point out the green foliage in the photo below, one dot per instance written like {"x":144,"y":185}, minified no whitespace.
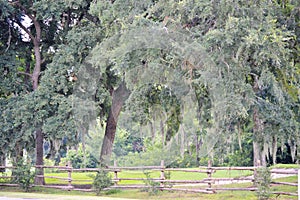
{"x":152,"y":187}
{"x":79,"y":159}
{"x":112,"y":191}
{"x":240,"y":158}
{"x":101,"y":180}
{"x":126,"y":143}
{"x":263,"y":181}
{"x":187,"y":160}
{"x":152,"y":155}
{"x":48,"y":162}
{"x":23,"y":175}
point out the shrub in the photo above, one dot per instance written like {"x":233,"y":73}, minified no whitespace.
{"x":101,"y":180}
{"x":263,"y":181}
{"x":24,"y":177}
{"x":112,"y":191}
{"x":152,"y":187}
{"x":79,"y":159}
{"x":48,"y":162}
{"x":239,"y":158}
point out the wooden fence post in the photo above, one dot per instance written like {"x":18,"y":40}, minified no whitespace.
{"x":69,"y":175}
{"x":209,"y":172}
{"x":298,"y":183}
{"x":162,"y":173}
{"x":116,"y":173}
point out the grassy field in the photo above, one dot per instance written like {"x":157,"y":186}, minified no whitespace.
{"x":47,"y":193}
{"x":284,"y":166}
{"x":80,"y":177}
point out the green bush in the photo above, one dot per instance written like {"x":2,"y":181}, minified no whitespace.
{"x":239,"y":158}
{"x":152,"y":187}
{"x":112,"y":191}
{"x":263,"y":181}
{"x":48,"y":162}
{"x":79,"y":159}
{"x":101,"y":180}
{"x":24,"y":177}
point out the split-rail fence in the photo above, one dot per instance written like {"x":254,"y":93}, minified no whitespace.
{"x":207,"y":185}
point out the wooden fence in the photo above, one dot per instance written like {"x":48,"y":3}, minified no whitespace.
{"x":207,"y":185}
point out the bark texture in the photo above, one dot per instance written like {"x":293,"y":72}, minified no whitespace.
{"x":39,"y":157}
{"x":259,"y":157}
{"x":119,"y":96}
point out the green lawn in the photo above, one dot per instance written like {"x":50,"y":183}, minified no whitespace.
{"x":285,"y":166}
{"x":81,"y":178}
{"x":85,"y":177}
{"x":50,"y":194}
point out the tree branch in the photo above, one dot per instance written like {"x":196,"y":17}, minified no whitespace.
{"x":36,"y":23}
{"x":24,"y":29}
{"x":38,"y":31}
{"x":25,"y":73}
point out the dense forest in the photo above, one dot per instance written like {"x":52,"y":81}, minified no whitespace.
{"x":183,"y":81}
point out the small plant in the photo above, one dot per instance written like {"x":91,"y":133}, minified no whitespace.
{"x":152,"y":187}
{"x":48,"y":162}
{"x":263,"y":181}
{"x":112,"y":191}
{"x":101,"y":180}
{"x":24,"y":177}
{"x":168,"y":177}
{"x":3,"y":180}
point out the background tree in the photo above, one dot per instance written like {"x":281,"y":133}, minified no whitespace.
{"x":40,"y":26}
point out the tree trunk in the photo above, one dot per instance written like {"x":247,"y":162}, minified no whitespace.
{"x":274,"y":150}
{"x":197,"y":149}
{"x":119,"y":96}
{"x":258,"y":155}
{"x":35,"y":37}
{"x":239,"y":136}
{"x":83,"y":133}
{"x":39,"y":147}
{"x":2,"y":161}
{"x":298,"y":151}
{"x":39,"y":139}
{"x":182,"y":141}
{"x":162,"y":131}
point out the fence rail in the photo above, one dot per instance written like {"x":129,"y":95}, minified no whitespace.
{"x":205,"y":185}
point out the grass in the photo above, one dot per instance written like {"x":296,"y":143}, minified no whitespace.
{"x":285,"y":166}
{"x":47,"y":193}
{"x":291,"y":179}
{"x":78,"y":178}
{"x":81,"y":177}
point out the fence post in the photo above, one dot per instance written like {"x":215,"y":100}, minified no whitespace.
{"x":209,"y":172}
{"x":69,"y":175}
{"x":116,"y":173}
{"x":162,"y":173}
{"x":298,"y":183}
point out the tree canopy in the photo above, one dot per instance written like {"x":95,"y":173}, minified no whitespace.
{"x":180,"y":77}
